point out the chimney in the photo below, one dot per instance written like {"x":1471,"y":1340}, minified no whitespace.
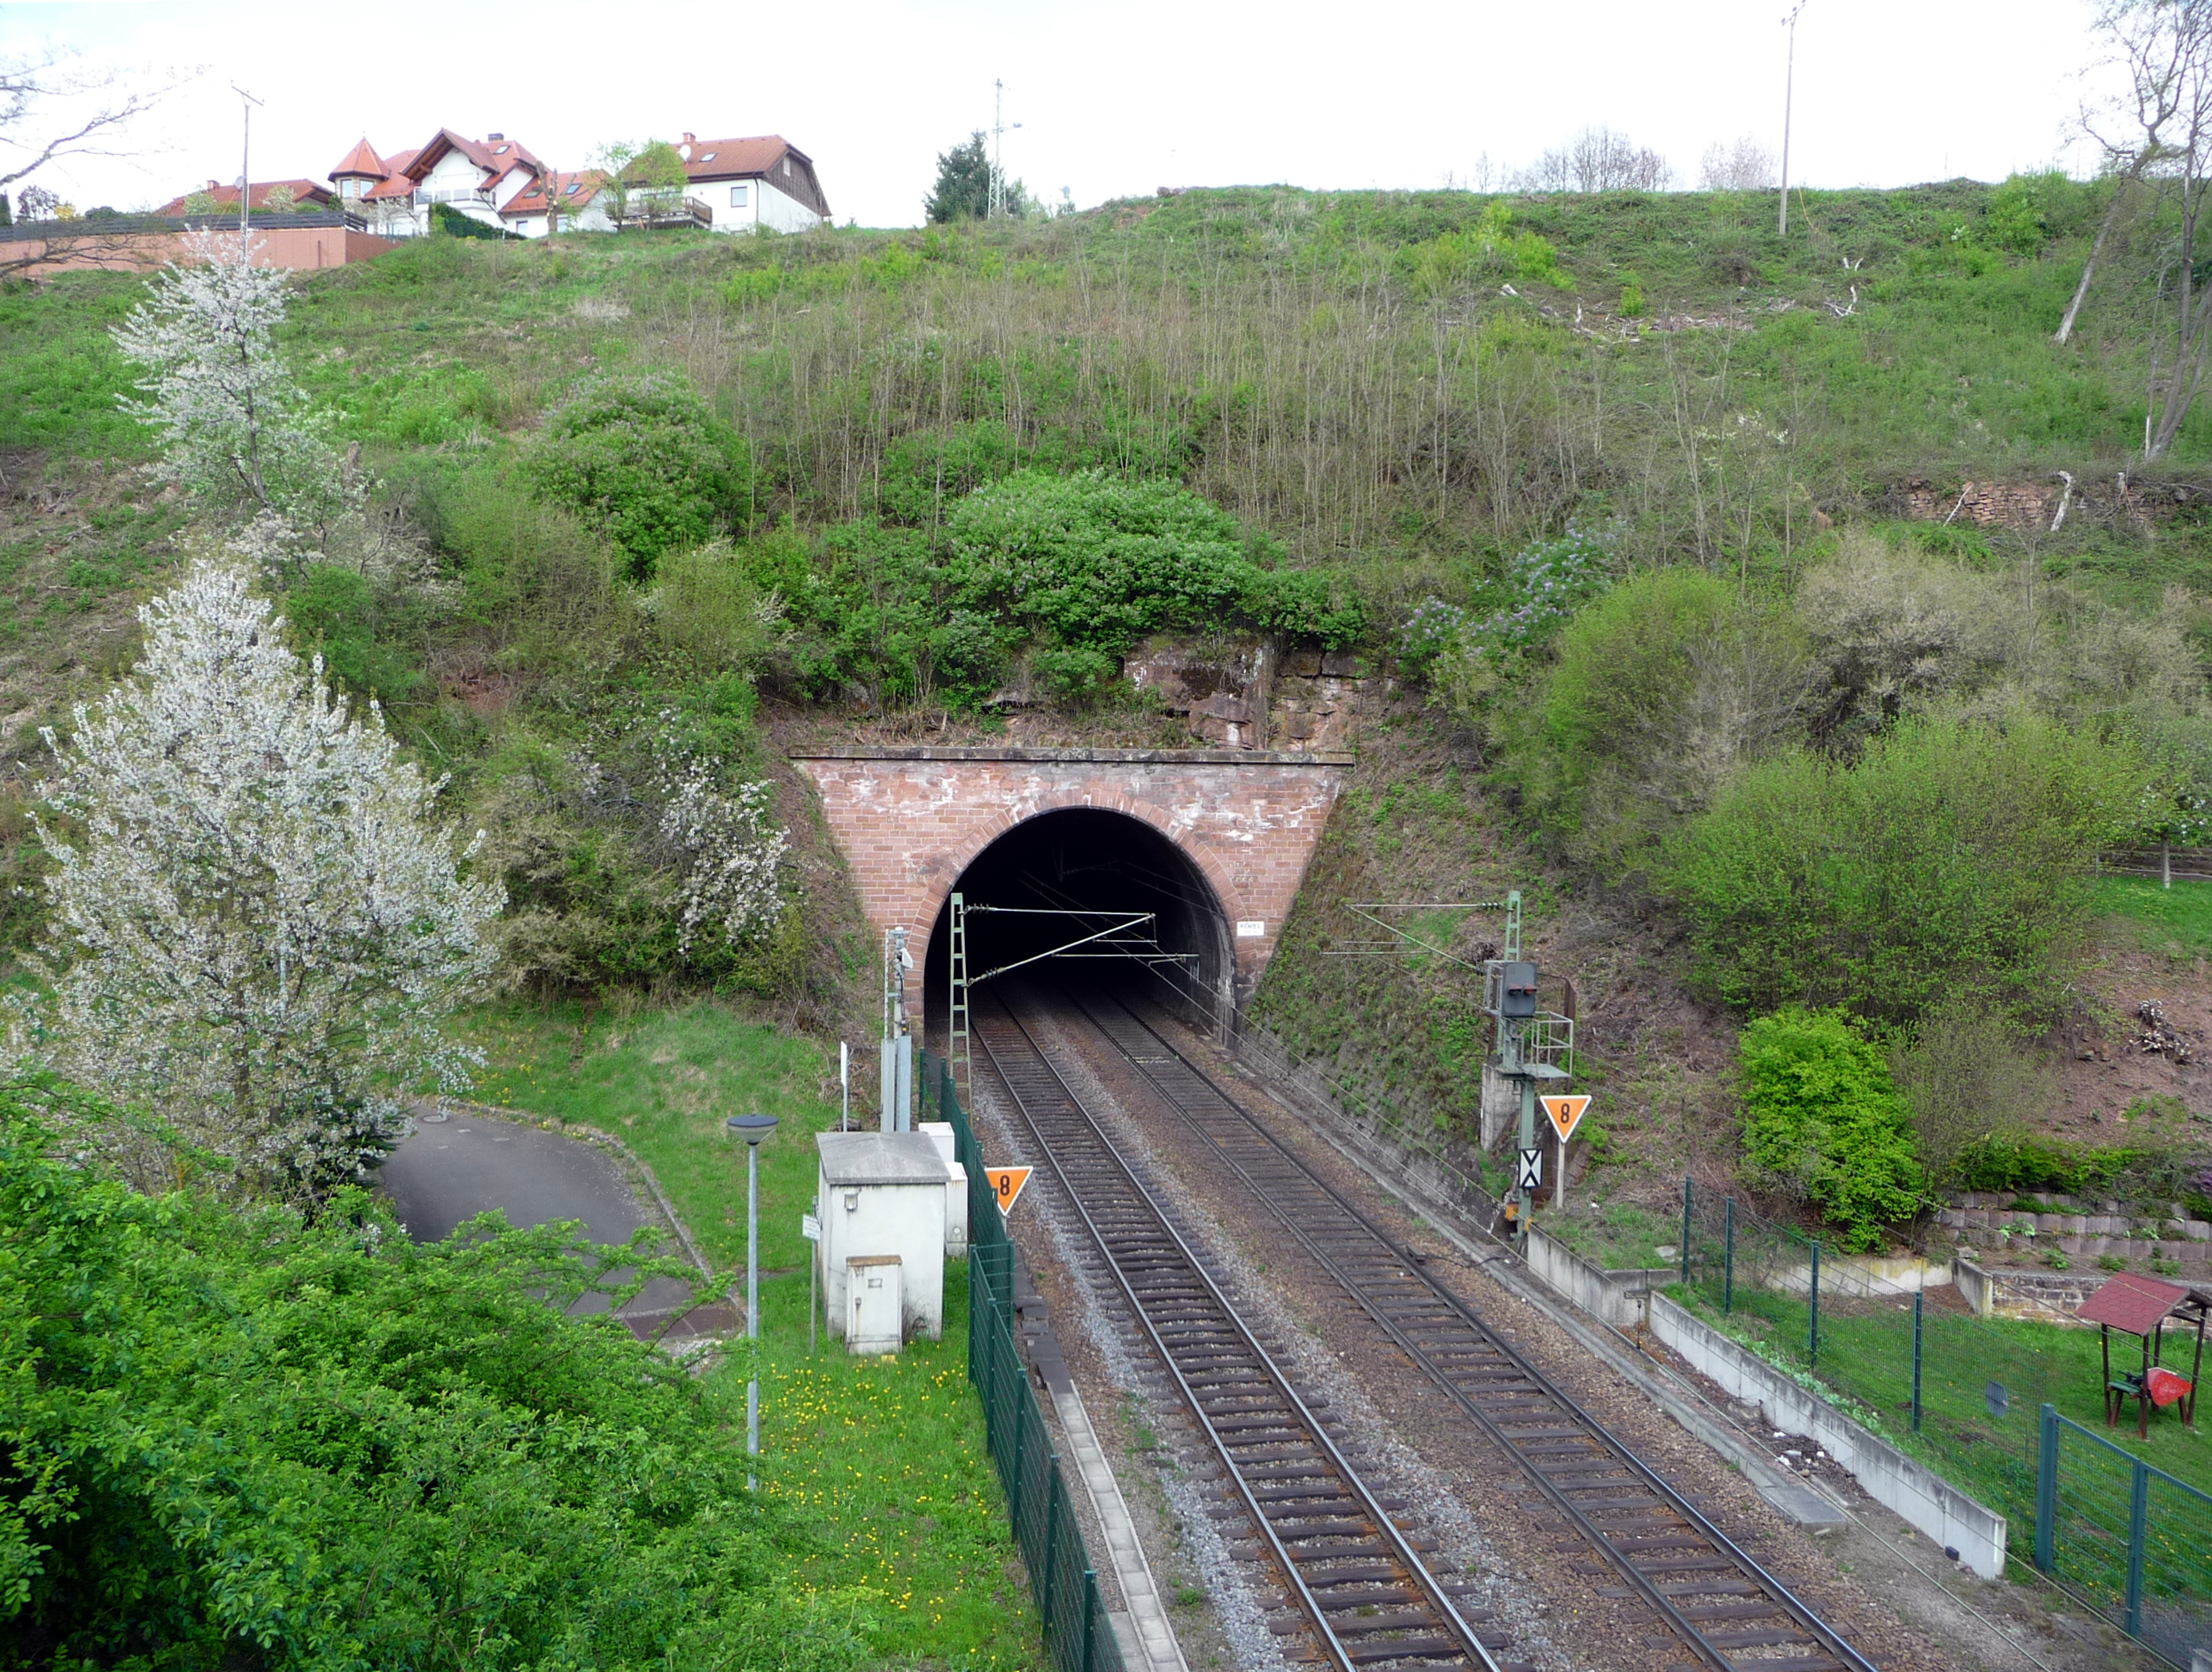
{"x":212,"y":186}
{"x":687,"y":138}
{"x":495,"y":135}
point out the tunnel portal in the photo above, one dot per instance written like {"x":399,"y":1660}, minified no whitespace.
{"x":1062,"y":876}
{"x":1215,"y":841}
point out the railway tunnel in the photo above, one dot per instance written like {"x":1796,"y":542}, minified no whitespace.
{"x":1095,"y":894}
{"x":1209,"y":844}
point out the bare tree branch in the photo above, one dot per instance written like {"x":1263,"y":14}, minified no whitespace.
{"x":31,"y":84}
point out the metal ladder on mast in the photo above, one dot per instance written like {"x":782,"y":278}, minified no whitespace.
{"x":956,"y":1053}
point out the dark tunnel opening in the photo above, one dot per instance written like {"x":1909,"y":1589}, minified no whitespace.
{"x":1086,"y":860}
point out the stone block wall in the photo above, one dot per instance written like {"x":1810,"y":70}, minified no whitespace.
{"x":1242,"y":694}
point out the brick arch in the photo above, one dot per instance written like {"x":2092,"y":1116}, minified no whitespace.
{"x":909,"y":821}
{"x":1225,"y":898}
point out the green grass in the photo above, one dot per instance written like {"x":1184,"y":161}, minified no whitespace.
{"x":886,"y":1456}
{"x":1616,"y":1236}
{"x":664,"y":1081}
{"x":2176,"y":921}
{"x":1866,"y":1355}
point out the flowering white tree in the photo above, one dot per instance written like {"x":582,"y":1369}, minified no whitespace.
{"x":257,"y":922}
{"x":235,"y":428}
{"x":734,"y":854}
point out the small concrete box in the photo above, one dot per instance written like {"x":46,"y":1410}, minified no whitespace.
{"x":882,"y":1194}
{"x":955,"y":1189}
{"x":878,"y":1324}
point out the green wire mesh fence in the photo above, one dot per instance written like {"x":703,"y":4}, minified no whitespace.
{"x":1078,"y":1631}
{"x":2129,"y":1540}
{"x":1891,"y":1342}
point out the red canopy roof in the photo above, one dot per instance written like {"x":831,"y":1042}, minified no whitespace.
{"x":2133,"y":1304}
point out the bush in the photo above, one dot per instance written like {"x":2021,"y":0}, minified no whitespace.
{"x":237,"y":1437}
{"x":533,"y":576}
{"x":1096,"y":561}
{"x":1948,"y":864}
{"x":706,"y":606}
{"x":1665,"y":688}
{"x":649,"y":462}
{"x":1968,"y":1076}
{"x":336,"y":614}
{"x":1822,"y":1120}
{"x":1893,"y":631}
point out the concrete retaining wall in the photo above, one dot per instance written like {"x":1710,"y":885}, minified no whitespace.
{"x":1923,"y":1498}
{"x":2046,"y":1297}
{"x":1617,"y":1297}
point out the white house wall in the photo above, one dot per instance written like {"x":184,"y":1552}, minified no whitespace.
{"x":765,"y":207}
{"x":781,"y":213}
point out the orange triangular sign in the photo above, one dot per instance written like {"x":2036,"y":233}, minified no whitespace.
{"x":1565,"y":1114}
{"x":1007,"y":1182}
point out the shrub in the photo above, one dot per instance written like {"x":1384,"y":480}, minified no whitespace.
{"x":243,"y":1436}
{"x":1665,"y":688}
{"x":1966,"y":1076}
{"x":1095,"y":561}
{"x":1893,"y":631}
{"x":706,"y":605}
{"x":336,"y":614}
{"x":1822,"y":1120}
{"x":1947,"y":864}
{"x":646,"y":460}
{"x":535,"y":578}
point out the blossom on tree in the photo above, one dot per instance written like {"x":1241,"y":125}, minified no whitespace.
{"x":258,"y":923}
{"x":234,"y":427}
{"x":733,"y":852}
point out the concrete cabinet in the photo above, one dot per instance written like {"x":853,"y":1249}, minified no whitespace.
{"x":881,"y":1196}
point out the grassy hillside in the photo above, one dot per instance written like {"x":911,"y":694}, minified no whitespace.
{"x":1394,"y":392}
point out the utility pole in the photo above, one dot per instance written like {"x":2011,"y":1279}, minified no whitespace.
{"x":246,"y":161}
{"x":998,"y":126}
{"x":1789,"y":89}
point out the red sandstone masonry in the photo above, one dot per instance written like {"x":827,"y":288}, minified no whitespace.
{"x":911,"y":819}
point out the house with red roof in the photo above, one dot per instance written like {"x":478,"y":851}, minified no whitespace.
{"x":398,"y":194}
{"x":579,"y":199}
{"x":751,"y":183}
{"x":731,"y":185}
{"x":306,"y":194}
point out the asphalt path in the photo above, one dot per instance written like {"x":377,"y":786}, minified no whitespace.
{"x":450,"y":1171}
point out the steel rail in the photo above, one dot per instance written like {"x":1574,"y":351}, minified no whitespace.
{"x":1819,"y":1632}
{"x":1398,"y":1550}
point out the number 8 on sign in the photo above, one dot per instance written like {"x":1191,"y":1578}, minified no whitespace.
{"x":1006,"y":1184}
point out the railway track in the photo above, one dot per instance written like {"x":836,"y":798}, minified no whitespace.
{"x":1367,"y":1598}
{"x":1728,"y":1610}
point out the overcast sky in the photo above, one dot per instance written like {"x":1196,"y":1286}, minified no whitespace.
{"x":1112,"y":99}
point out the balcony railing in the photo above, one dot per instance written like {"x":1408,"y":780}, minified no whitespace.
{"x":451,"y":194}
{"x":656,"y":210}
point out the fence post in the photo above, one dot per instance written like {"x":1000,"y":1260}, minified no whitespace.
{"x":1812,"y":1343}
{"x":1013,"y":1486}
{"x":2048,"y":1490}
{"x":1728,"y":1263}
{"x":1090,"y":1614}
{"x":1918,"y":1296}
{"x":1686,"y":1188}
{"x":1052,"y":1541}
{"x":2138,"y":1507}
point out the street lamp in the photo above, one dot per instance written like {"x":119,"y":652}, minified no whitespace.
{"x":752,"y":1129}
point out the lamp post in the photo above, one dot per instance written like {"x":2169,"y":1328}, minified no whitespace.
{"x":752,"y":1129}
